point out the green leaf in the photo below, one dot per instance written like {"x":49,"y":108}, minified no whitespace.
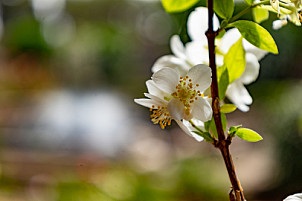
{"x":234,"y":60}
{"x":213,"y":126}
{"x":256,"y":35}
{"x":249,"y":2}
{"x":260,"y":14}
{"x":227,"y":108}
{"x":221,"y":32}
{"x":248,"y":135}
{"x":206,"y":135}
{"x":207,"y":125}
{"x":175,"y":6}
{"x":233,"y":130}
{"x":224,"y":8}
{"x":223,"y":81}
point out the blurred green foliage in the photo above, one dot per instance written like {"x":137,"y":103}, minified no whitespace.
{"x":188,"y":179}
{"x":23,"y":34}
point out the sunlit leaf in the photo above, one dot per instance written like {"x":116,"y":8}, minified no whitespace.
{"x":256,"y":35}
{"x":224,"y":8}
{"x":234,"y":60}
{"x":174,"y":6}
{"x":248,"y":135}
{"x":249,"y":2}
{"x":260,"y":14}
{"x":227,"y":108}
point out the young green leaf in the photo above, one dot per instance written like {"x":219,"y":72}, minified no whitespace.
{"x":256,"y":35}
{"x":223,"y":81}
{"x":234,"y":60}
{"x":260,"y":14}
{"x":221,"y":32}
{"x":227,"y":108}
{"x":233,"y":130}
{"x":248,"y":135}
{"x":224,"y":8}
{"x":175,"y":6}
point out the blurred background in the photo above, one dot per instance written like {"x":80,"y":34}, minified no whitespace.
{"x":70,"y":131}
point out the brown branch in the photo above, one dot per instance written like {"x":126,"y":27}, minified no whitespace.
{"x":214,"y":86}
{"x":222,"y":143}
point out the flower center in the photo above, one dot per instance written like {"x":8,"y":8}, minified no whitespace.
{"x":161,"y":116}
{"x":186,"y":93}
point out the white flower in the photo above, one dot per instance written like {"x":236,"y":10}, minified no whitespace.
{"x":289,"y":11}
{"x":295,"y":197}
{"x":172,"y":96}
{"x":196,"y":52}
{"x":275,"y":5}
{"x":236,"y":92}
{"x":178,"y":61}
{"x":294,"y":17}
{"x":278,"y":24}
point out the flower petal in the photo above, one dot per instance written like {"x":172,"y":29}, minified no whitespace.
{"x":251,"y":71}
{"x":148,"y":102}
{"x":229,"y":39}
{"x":294,"y":18}
{"x":198,"y":24}
{"x":232,"y":36}
{"x":202,"y":110}
{"x":197,"y":123}
{"x":184,"y":126}
{"x":176,"y":109}
{"x":295,"y":197}
{"x":201,"y":74}
{"x":180,"y":65}
{"x":177,"y":47}
{"x":159,"y":101}
{"x":275,"y":5}
{"x":238,"y":95}
{"x":154,"y":90}
{"x":278,"y":24}
{"x":254,"y":50}
{"x":219,"y":60}
{"x":197,"y":52}
{"x":166,"y":79}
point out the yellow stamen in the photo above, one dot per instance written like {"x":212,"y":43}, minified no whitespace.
{"x":160,"y":116}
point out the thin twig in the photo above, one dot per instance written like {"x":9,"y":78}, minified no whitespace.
{"x":222,"y":143}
